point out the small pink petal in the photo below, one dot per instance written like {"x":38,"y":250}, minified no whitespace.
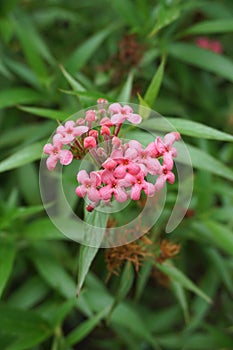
{"x":65,"y":157}
{"x":81,"y":191}
{"x":93,"y":195}
{"x":120,"y":172}
{"x":48,"y":148}
{"x":134,"y":118}
{"x":95,"y":178}
{"x":135,"y":192}
{"x":106,"y":192}
{"x":149,"y":189}
{"x":51,"y":162}
{"x":115,"y":108}
{"x":83,"y":177}
{"x":170,"y":177}
{"x":118,"y":119}
{"x":160,"y":182}
{"x":168,"y":161}
{"x":79,"y":130}
{"x":120,"y":195}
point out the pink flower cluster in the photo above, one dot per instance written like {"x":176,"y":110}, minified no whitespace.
{"x":212,"y":45}
{"x":123,"y":168}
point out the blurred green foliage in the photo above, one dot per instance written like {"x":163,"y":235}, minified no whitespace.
{"x":57,"y":57}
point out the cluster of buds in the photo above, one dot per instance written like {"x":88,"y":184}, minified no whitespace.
{"x":212,"y":45}
{"x":122,"y":167}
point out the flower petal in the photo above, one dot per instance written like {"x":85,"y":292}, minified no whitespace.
{"x":120,"y":194}
{"x":83,"y":177}
{"x":65,"y":157}
{"x":51,"y":162}
{"x":134,"y":118}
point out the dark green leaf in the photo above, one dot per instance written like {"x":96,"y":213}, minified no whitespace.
{"x":7,"y":256}
{"x":203,"y":59}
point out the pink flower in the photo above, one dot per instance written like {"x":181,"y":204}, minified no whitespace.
{"x":120,"y":114}
{"x":89,"y":185}
{"x":165,"y":149}
{"x":70,"y":131}
{"x":89,"y":142}
{"x":144,"y":157}
{"x":165,"y":175}
{"x":138,"y":184}
{"x":106,"y":122}
{"x":207,"y":44}
{"x":91,"y":116}
{"x":114,"y":187}
{"x":57,"y":154}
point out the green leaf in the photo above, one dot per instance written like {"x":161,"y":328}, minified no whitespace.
{"x":45,"y":113}
{"x":7,"y":256}
{"x":165,"y":16}
{"x":182,"y":299}
{"x":26,"y":327}
{"x":26,"y":155}
{"x":126,"y":12}
{"x":125,"y":93}
{"x":210,"y":27}
{"x":24,"y":32}
{"x":186,"y":127}
{"x":85,"y":328}
{"x":88,"y":253}
{"x":203,"y":59}
{"x":30,"y":293}
{"x":144,"y":277}
{"x":17,"y":95}
{"x":204,"y":161}
{"x":178,"y":276}
{"x":76,"y":86}
{"x":42,"y":229}
{"x":84,"y":52}
{"x":153,"y":89}
{"x":54,"y":273}
{"x":221,"y":235}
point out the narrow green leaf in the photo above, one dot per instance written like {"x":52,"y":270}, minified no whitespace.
{"x":186,"y":127}
{"x":165,"y":16}
{"x":204,"y":161}
{"x":31,"y":52}
{"x":45,"y":113}
{"x":24,"y":156}
{"x":210,"y":27}
{"x":126,"y":12}
{"x":178,"y":276}
{"x":7,"y":256}
{"x":153,"y":89}
{"x":85,"y":328}
{"x":221,"y":235}
{"x":17,"y":95}
{"x":145,"y":271}
{"x":83,"y":53}
{"x":30,"y":331}
{"x":203,"y":59}
{"x":88,"y":253}
{"x":30,"y":293}
{"x":54,"y":273}
{"x":125,"y":93}
{"x":182,"y":299}
{"x":76,"y":86}
{"x":42,"y":229}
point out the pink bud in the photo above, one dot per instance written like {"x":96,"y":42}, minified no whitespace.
{"x":80,"y":121}
{"x":105,"y":130}
{"x":94,"y":134}
{"x":89,"y":142}
{"x":91,"y":116}
{"x":106,"y":121}
{"x":101,"y":101}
